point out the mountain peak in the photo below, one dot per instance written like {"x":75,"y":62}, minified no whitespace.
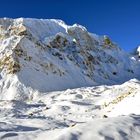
{"x":48,"y":55}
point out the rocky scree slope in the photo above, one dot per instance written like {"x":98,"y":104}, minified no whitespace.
{"x":39,"y":56}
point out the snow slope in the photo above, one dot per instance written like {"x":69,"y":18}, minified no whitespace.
{"x":62,"y":82}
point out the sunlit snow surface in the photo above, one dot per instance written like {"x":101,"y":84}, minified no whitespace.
{"x":76,"y":114}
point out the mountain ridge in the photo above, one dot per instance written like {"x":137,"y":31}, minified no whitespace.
{"x":48,"y":55}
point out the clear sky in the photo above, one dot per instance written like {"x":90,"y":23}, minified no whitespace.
{"x":120,"y":19}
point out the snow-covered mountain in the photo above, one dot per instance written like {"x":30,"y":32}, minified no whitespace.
{"x":61,"y":82}
{"x":48,"y":55}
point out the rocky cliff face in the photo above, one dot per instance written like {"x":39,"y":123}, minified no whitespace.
{"x":48,"y":55}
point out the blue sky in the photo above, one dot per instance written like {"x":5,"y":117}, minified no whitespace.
{"x":120,"y":19}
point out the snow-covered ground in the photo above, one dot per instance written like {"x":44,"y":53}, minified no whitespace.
{"x":60,"y":82}
{"x":100,"y":112}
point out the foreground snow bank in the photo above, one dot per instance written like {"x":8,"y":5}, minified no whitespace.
{"x":99,"y":112}
{"x":119,"y":128}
